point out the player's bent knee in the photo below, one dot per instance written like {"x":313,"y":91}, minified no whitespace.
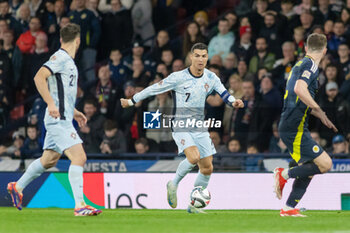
{"x":207,"y":170}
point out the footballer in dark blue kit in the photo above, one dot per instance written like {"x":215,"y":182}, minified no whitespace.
{"x":299,"y":103}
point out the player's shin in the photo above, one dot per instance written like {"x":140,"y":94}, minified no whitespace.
{"x":202,"y":180}
{"x":299,"y":188}
{"x":184,"y":167}
{"x":75,"y":176}
{"x":304,"y":171}
{"x":34,"y":170}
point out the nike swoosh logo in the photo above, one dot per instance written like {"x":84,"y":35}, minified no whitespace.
{"x":186,"y":88}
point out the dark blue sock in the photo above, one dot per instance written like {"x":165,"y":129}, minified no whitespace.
{"x":299,"y":188}
{"x":304,"y":171}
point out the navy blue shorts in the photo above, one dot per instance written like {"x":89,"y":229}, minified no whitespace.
{"x":300,"y":144}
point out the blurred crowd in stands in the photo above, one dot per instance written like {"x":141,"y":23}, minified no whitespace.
{"x":127,"y":45}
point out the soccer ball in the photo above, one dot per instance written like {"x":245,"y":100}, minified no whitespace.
{"x":200,"y":197}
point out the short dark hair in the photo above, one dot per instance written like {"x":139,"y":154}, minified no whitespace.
{"x":91,"y":101}
{"x":316,"y":42}
{"x":32,"y":126}
{"x":69,"y":32}
{"x":142,"y":141}
{"x":110,"y":125}
{"x":200,"y":46}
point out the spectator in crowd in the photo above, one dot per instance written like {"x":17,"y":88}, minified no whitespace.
{"x":141,"y":14}
{"x":256,"y":17}
{"x":119,"y":71}
{"x":113,"y":139}
{"x":241,"y":118}
{"x":53,"y":23}
{"x":37,"y":7}
{"x":243,"y":48}
{"x":92,"y":132}
{"x":235,"y":89}
{"x":253,"y":163}
{"x":24,"y":17}
{"x":242,"y":70}
{"x":167,"y":58}
{"x":287,"y":10}
{"x":161,"y":43}
{"x":232,"y":162}
{"x":229,"y":67}
{"x":305,"y":5}
{"x":338,"y":111}
{"x":26,"y":41}
{"x":32,"y":62}
{"x":178,"y":65}
{"x":192,"y":35}
{"x":54,"y":39}
{"x":264,"y":114}
{"x":276,"y":144}
{"x":262,"y":58}
{"x":90,"y":34}
{"x":6,"y":15}
{"x":337,"y":38}
{"x":32,"y":145}
{"x":14,"y":150}
{"x":284,"y":65}
{"x":92,"y":5}
{"x":117,"y":29}
{"x":339,"y":145}
{"x":344,"y":59}
{"x":324,"y":13}
{"x":141,"y":146}
{"x":328,"y":29}
{"x":14,"y":6}
{"x":345,"y":18}
{"x":201,"y":17}
{"x":307,"y":21}
{"x":139,"y":76}
{"x":216,"y":60}
{"x":332,"y":75}
{"x":161,"y":68}
{"x":222,"y":42}
{"x":299,"y":34}
{"x":105,"y":91}
{"x":216,"y":139}
{"x":233,"y":24}
{"x":138,"y":53}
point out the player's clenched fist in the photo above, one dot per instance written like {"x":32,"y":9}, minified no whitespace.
{"x":126,"y":103}
{"x":238,"y":104}
{"x":53,"y":111}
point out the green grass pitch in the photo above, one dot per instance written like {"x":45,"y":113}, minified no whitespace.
{"x":122,"y":220}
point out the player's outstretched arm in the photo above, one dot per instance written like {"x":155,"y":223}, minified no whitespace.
{"x":40,"y":80}
{"x":162,"y":86}
{"x":304,"y":95}
{"x":225,"y":95}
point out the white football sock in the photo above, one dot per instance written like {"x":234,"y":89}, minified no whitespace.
{"x":34,"y":170}
{"x":75,"y":176}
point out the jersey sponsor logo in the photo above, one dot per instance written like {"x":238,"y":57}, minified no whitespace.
{"x":306,"y":74}
{"x":151,"y":120}
{"x":316,"y":149}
